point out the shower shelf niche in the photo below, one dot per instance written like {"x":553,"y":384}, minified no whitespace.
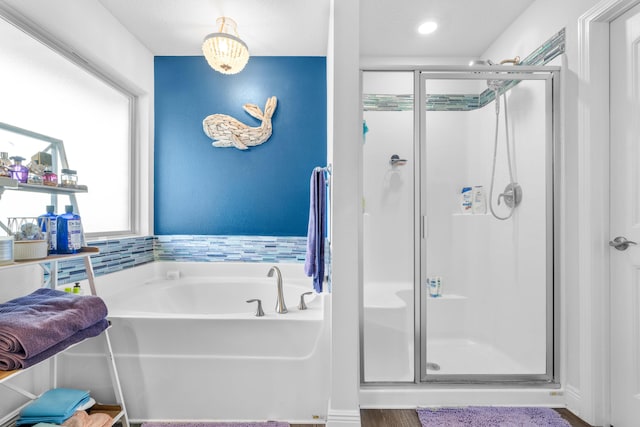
{"x":447,"y":297}
{"x":470,"y":214}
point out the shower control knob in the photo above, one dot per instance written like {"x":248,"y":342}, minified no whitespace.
{"x":621,"y":243}
{"x":397,"y":161}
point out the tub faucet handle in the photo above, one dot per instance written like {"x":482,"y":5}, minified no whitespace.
{"x":259,"y":312}
{"x":302,"y":305}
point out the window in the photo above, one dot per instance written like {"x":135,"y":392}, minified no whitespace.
{"x":43,"y":91}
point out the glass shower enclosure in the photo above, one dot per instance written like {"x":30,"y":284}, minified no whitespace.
{"x":458,"y":225}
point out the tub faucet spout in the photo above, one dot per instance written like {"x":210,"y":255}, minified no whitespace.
{"x":280,"y":305}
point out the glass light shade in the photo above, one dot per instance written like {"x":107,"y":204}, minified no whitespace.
{"x":225,"y":52}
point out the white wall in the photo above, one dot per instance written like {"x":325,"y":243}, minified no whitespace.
{"x":345,"y":132}
{"x":90,"y":32}
{"x":87,"y":29}
{"x":539,"y":22}
{"x":94,"y":34}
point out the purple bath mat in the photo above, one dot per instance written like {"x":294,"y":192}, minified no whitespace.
{"x":233,"y":424}
{"x":490,"y":416}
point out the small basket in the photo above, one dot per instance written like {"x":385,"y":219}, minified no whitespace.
{"x":29,"y":249}
{"x":31,"y":239}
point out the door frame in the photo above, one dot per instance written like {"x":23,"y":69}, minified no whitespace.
{"x":592,"y":401}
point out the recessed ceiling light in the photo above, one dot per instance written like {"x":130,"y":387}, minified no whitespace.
{"x":428,"y":27}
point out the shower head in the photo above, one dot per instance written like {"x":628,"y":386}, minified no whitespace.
{"x":495,"y":84}
{"x":480,"y":61}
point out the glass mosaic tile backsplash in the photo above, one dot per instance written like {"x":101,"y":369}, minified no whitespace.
{"x":120,"y":254}
{"x":230,"y":248}
{"x":545,"y":53}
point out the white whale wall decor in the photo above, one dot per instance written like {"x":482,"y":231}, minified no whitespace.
{"x":227,"y":131}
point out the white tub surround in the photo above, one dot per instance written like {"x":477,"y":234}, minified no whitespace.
{"x":189,"y":347}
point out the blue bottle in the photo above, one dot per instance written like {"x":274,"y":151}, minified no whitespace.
{"x":49,"y":223}
{"x":69,"y":232}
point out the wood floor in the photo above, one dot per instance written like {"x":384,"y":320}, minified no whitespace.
{"x":409,"y":418}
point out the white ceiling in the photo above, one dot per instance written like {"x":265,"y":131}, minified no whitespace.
{"x":269,"y":27}
{"x":466,"y":28}
{"x":300,"y":27}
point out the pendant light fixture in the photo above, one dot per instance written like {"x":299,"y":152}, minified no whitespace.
{"x":224,"y":50}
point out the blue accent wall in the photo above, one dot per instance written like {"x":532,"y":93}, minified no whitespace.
{"x":263,"y":191}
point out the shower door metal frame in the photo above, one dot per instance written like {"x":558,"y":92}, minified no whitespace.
{"x":552,"y":377}
{"x":551,"y":76}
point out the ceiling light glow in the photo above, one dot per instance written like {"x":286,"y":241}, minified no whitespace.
{"x":428,"y":27}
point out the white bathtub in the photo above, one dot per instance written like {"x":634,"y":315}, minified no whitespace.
{"x":188,"y":346}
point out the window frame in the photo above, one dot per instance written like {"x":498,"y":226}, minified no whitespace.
{"x":48,"y":40}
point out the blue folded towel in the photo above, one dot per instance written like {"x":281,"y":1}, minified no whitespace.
{"x":53,"y":406}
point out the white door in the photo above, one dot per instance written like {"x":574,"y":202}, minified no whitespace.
{"x":625,"y":218}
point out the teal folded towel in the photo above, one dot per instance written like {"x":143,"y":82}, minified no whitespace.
{"x":53,"y":406}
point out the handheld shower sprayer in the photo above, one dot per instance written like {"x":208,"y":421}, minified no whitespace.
{"x":512,"y":195}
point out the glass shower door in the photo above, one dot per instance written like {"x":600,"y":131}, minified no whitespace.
{"x":388,"y":227}
{"x":486,"y":280}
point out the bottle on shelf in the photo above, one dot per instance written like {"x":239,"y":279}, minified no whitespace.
{"x":435,"y":286}
{"x":50,"y":178}
{"x":49,"y":223}
{"x":77,"y":289}
{"x":69,"y":232}
{"x":18,"y":171}
{"x":69,"y":178}
{"x":466,"y":200}
{"x":479,"y":200}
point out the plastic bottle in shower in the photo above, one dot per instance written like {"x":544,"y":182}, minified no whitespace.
{"x":435,"y":286}
{"x":466,"y":199}
{"x":69,"y":232}
{"x":479,"y":200}
{"x":49,"y":223}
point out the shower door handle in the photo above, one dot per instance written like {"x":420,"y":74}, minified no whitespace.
{"x":621,"y":243}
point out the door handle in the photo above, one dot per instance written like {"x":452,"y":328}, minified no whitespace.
{"x":621,"y":243}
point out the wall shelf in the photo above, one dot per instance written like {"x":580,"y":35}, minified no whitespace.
{"x":85,"y":251}
{"x":50,"y":264}
{"x":120,"y":415}
{"x":8,"y":182}
{"x":41,"y":188}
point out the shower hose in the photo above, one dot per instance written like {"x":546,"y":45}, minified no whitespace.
{"x":495,"y":155}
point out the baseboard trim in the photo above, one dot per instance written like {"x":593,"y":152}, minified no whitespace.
{"x":573,"y":399}
{"x":337,"y":418}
